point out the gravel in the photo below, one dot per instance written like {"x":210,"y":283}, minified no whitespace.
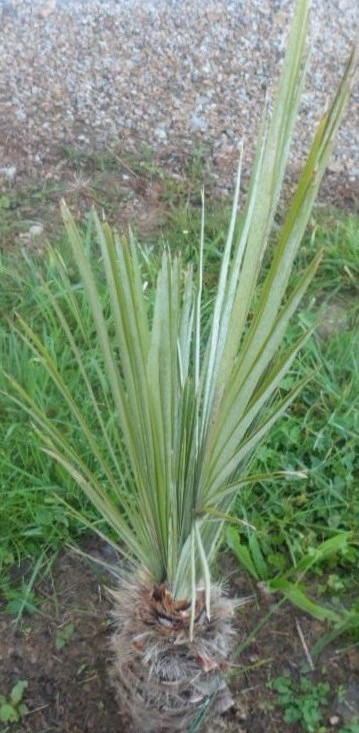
{"x":171,"y":75}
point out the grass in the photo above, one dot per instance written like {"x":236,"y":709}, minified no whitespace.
{"x":317,"y":437}
{"x":319,"y":434}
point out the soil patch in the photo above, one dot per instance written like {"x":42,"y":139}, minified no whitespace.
{"x":62,"y":651}
{"x":131,"y":191}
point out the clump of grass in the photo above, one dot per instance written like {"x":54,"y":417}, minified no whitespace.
{"x":319,"y":435}
{"x":33,"y":517}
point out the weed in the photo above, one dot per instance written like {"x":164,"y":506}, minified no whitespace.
{"x":5,"y":202}
{"x":302,"y":701}
{"x":287,"y":582}
{"x":19,"y":599}
{"x":351,"y":727}
{"x":63,"y":636}
{"x":12,"y":709}
{"x":348,"y":624}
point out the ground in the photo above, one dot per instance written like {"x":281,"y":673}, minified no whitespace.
{"x":140,"y":190}
{"x":62,"y":651}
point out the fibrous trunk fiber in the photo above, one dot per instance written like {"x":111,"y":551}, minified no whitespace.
{"x":165,"y":681}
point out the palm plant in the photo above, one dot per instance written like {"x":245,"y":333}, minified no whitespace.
{"x":179,"y":416}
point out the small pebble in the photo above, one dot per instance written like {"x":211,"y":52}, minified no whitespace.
{"x":8,"y":173}
{"x":198,"y":124}
{"x":36,"y":231}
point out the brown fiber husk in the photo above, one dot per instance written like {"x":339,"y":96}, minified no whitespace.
{"x":165,"y":681}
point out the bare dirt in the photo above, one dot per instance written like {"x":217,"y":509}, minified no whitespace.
{"x":136,"y":190}
{"x":69,"y":688}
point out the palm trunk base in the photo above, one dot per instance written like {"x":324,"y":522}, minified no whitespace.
{"x":165,"y":681}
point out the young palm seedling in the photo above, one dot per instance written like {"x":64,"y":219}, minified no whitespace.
{"x":176,"y":417}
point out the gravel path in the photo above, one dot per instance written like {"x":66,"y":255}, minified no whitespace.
{"x":168,"y":74}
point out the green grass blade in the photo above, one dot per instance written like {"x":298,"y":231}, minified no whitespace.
{"x":299,"y":598}
{"x":241,"y":552}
